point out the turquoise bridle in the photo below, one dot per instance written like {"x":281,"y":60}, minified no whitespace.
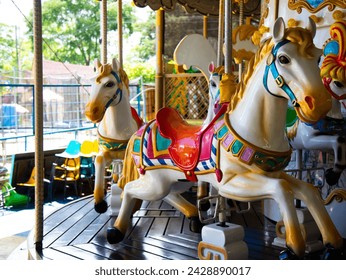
{"x":280,"y":81}
{"x":117,"y":93}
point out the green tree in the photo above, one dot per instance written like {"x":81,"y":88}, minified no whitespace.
{"x":7,"y":48}
{"x":146,"y":48}
{"x":71,"y":29}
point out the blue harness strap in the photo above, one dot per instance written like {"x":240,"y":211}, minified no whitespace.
{"x":117,"y":92}
{"x":280,"y":81}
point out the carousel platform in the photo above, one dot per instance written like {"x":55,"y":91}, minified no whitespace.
{"x":158,"y":231}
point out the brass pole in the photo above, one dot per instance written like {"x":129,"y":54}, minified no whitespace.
{"x":159,"y":85}
{"x":205,"y":26}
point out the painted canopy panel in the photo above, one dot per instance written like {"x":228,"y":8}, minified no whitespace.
{"x":205,"y":7}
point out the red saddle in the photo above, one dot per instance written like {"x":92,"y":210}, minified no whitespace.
{"x":185,"y":149}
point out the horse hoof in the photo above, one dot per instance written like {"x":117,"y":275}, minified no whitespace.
{"x":330,"y":253}
{"x":101,"y":207}
{"x":114,"y":235}
{"x":287,"y":254}
{"x":195,"y":225}
{"x":332,"y":177}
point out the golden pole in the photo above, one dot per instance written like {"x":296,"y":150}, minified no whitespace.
{"x":205,"y":26}
{"x":159,"y":85}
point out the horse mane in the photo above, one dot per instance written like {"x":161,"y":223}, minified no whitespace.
{"x":106,"y":69}
{"x":297,"y":35}
{"x":292,"y":131}
{"x":334,"y":65}
{"x":252,"y":64}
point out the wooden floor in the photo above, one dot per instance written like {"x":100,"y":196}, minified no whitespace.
{"x":158,"y":231}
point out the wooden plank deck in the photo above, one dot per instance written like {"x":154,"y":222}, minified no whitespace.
{"x":158,"y":231}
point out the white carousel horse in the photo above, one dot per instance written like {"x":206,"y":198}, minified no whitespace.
{"x":109,"y":106}
{"x":329,"y":133}
{"x":243,"y":152}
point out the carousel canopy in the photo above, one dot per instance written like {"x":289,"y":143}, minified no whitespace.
{"x":204,"y":7}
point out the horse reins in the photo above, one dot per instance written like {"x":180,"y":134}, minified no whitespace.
{"x":117,"y":92}
{"x":280,"y":81}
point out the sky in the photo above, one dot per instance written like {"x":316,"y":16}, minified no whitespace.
{"x":9,"y":14}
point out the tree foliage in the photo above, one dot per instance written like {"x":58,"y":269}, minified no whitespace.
{"x":7,"y":47}
{"x":71,"y":29}
{"x":146,"y":48}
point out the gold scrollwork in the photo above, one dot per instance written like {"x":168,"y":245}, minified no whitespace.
{"x":300,"y":4}
{"x":214,"y":253}
{"x":338,"y":194}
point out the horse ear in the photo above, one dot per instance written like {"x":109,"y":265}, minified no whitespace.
{"x":312,"y":27}
{"x":97,"y":64}
{"x":279,"y":30}
{"x":115,"y":64}
{"x":211,"y":67}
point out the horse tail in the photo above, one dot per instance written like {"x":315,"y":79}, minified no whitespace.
{"x":129,"y":172}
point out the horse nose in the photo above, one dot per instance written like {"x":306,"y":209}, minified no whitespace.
{"x":310,"y":101}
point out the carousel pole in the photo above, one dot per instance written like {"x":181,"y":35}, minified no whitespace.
{"x":103,"y":7}
{"x":38,"y":98}
{"x":241,"y":22}
{"x":205,"y":27}
{"x":159,"y":86}
{"x":220,"y":33}
{"x":120,"y":31}
{"x":228,"y":70}
{"x":228,"y":36}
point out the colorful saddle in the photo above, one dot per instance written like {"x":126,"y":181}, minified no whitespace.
{"x":185,"y":139}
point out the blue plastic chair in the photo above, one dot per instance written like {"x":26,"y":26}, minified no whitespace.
{"x":72,"y":150}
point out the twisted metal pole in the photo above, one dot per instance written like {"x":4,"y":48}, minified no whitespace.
{"x":228,"y":36}
{"x":220,"y":34}
{"x":103,"y":31}
{"x":38,"y":129}
{"x":120,"y":31}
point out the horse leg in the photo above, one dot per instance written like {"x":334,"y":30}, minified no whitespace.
{"x":188,"y":209}
{"x":150,"y":188}
{"x":312,"y":199}
{"x":202,"y":192}
{"x":255,"y":186}
{"x":101,"y":161}
{"x":333,"y":174}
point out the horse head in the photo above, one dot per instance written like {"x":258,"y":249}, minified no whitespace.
{"x":333,"y":68}
{"x":292,"y":71}
{"x":107,"y":89}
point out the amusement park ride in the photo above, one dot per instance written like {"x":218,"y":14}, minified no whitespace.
{"x":298,"y":63}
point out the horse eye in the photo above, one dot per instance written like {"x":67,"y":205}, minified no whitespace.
{"x":338,"y":84}
{"x":284,"y":59}
{"x":212,"y":84}
{"x":109,"y":84}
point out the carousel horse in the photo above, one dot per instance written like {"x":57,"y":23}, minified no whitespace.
{"x":244,"y":150}
{"x":329,"y":133}
{"x":109,"y":106}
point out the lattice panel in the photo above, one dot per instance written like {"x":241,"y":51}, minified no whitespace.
{"x":188,"y":94}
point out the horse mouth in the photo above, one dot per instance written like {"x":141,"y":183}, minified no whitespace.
{"x":94,"y":114}
{"x":311,"y":111}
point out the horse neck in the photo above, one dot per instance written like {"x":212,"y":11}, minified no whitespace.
{"x":211,"y":113}
{"x":335,"y":112}
{"x":118,"y":122}
{"x":260,"y":118}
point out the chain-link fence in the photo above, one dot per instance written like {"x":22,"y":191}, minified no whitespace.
{"x":188,"y":94}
